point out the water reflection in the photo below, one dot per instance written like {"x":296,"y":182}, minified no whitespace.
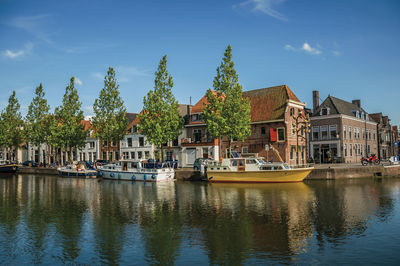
{"x":45,"y":220}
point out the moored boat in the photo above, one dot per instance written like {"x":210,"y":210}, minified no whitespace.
{"x":77,"y":169}
{"x":134,"y":170}
{"x":255,"y":170}
{"x":7,"y":167}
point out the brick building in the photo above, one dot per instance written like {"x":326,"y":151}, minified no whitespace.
{"x":341,"y":131}
{"x":273,"y":112}
{"x":385,"y":136}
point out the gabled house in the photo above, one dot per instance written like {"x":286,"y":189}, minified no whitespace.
{"x":341,"y":131}
{"x":385,"y":136}
{"x":196,"y":142}
{"x":274,"y":131}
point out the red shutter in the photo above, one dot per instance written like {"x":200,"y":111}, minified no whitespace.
{"x":273,"y":134}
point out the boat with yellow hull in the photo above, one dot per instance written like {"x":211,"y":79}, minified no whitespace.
{"x":254,"y":170}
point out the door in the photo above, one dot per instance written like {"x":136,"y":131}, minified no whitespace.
{"x":190,"y":156}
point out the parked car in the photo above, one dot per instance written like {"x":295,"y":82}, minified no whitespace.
{"x":198,"y":162}
{"x":30,"y":163}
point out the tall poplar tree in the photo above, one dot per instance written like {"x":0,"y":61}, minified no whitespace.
{"x":110,"y":120}
{"x":37,"y":127}
{"x":12,"y":126}
{"x":227,"y":113}
{"x":67,"y":129}
{"x":160,"y":121}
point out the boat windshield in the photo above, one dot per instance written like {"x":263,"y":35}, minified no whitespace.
{"x":285,"y":166}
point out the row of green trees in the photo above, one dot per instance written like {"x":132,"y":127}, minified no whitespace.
{"x":227,"y":113}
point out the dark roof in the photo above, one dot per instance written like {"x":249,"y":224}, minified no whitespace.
{"x":377,"y":117}
{"x":338,"y":106}
{"x":269,"y":103}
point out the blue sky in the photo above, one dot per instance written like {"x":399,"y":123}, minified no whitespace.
{"x":348,"y":49}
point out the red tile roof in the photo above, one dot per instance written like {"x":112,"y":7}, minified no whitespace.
{"x":87,"y":124}
{"x":269,"y":103}
{"x":199,"y":106}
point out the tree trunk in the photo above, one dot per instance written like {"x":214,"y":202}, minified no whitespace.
{"x":161,"y":153}
{"x":229,"y":147}
{"x":62,"y":157}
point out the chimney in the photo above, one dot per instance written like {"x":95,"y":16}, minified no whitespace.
{"x":315,"y":98}
{"x":357,"y":102}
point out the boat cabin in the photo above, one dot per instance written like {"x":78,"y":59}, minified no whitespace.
{"x":247,"y":164}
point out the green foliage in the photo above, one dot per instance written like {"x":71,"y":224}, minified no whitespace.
{"x":37,"y":126}
{"x":227,"y":113}
{"x":67,"y":130}
{"x":11,"y":124}
{"x":110,"y":120}
{"x":160,"y":121}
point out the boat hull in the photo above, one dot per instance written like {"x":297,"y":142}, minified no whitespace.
{"x":274,"y":176}
{"x":10,"y":168}
{"x":149,"y":175}
{"x":72,"y":173}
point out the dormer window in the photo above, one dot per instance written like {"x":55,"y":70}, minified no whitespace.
{"x":134,"y":129}
{"x":196,"y":117}
{"x":357,"y":114}
{"x":324,"y":111}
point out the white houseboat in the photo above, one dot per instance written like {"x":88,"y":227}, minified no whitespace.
{"x":137,"y":170}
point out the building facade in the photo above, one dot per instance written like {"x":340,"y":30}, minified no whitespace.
{"x":341,"y":131}
{"x":278,"y":127}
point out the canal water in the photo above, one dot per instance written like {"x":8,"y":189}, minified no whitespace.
{"x":52,"y":220}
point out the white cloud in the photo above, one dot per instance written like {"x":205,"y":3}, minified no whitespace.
{"x":336,"y":53}
{"x":78,"y":81}
{"x":15,"y":54}
{"x":264,"y":6}
{"x":289,"y":47}
{"x":306,"y":47}
{"x":34,"y":25}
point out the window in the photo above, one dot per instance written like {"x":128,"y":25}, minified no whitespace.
{"x":315,"y":133}
{"x":132,"y":155}
{"x":291,"y":111}
{"x":350,"y":133}
{"x":245,"y":150}
{"x":358,"y":133}
{"x":344,"y":132}
{"x":140,"y":154}
{"x":363,"y":134}
{"x":374,"y":135}
{"x":197,"y":135}
{"x":91,"y":145}
{"x":129,"y":142}
{"x":134,"y":129}
{"x":146,"y":154}
{"x":333,"y":131}
{"x":196,"y":117}
{"x":175,"y":142}
{"x":281,"y":134}
{"x":126,"y":155}
{"x":351,"y":150}
{"x":368,"y":149}
{"x":324,"y":132}
{"x":293,"y":129}
{"x":292,"y":152}
{"x":345,"y":149}
{"x":369,"y":134}
{"x":263,"y":131}
{"x":170,"y":155}
{"x":324,"y":111}
{"x":141,"y":142}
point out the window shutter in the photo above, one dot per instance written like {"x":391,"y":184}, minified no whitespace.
{"x":273,"y":134}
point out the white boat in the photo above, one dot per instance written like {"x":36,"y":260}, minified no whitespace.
{"x":77,"y":169}
{"x":134,"y":170}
